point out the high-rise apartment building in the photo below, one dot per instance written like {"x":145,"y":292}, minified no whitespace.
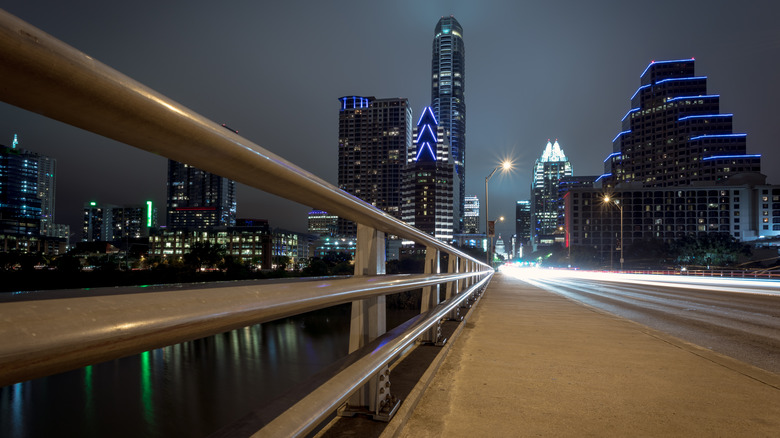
{"x":448,"y":84}
{"x":113,"y":223}
{"x":674,"y":133}
{"x":374,"y":137}
{"x":431,"y":183}
{"x":198,"y":199}
{"x":471,"y":215}
{"x":548,"y":171}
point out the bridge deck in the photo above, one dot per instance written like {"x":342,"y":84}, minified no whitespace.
{"x":532,"y":363}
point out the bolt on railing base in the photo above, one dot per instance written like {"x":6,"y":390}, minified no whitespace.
{"x":455,"y":315}
{"x":434,"y":336}
{"x":384,"y":413}
{"x":385,"y":404}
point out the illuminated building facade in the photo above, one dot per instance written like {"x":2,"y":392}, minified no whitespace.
{"x":374,"y":137}
{"x":677,"y":169}
{"x":471,"y":215}
{"x":448,"y":85}
{"x":198,"y":199}
{"x":249,"y":241}
{"x":112,"y":223}
{"x":674,"y":133}
{"x":545,"y":204}
{"x":431,"y":184}
{"x":27,"y":191}
{"x":322,"y":223}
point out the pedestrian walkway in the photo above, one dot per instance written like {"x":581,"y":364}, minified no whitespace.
{"x":533,"y":363}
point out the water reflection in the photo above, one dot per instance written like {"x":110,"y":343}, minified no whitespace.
{"x":185,"y":390}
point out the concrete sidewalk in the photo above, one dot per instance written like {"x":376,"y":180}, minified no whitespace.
{"x":532,"y":363}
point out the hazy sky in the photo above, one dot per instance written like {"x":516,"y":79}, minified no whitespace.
{"x":535,"y":70}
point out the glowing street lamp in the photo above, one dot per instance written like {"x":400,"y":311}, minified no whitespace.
{"x":608,"y":200}
{"x":504,"y":166}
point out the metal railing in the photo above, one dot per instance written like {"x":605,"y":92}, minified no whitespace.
{"x":44,"y":75}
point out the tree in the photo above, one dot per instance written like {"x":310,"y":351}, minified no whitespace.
{"x":717,"y":249}
{"x":204,"y":255}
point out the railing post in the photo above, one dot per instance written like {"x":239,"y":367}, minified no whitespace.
{"x":368,"y":322}
{"x":430,"y":296}
{"x":453,"y":287}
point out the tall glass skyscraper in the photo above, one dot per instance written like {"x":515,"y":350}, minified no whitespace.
{"x":448,"y":80}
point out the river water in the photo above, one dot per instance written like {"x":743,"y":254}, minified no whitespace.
{"x":185,"y":390}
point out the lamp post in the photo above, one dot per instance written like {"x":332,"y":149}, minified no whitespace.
{"x":506,"y":165}
{"x":607,"y":199}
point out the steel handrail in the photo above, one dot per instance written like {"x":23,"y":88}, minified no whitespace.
{"x":43,"y":74}
{"x":44,"y":337}
{"x":305,"y":415}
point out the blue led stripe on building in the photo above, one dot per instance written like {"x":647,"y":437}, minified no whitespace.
{"x":729,"y":157}
{"x":619,"y":134}
{"x":704,"y":116}
{"x":699,"y":137}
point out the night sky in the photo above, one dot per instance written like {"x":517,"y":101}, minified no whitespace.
{"x":535,"y":70}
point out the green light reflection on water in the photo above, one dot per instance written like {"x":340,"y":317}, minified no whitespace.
{"x":147,"y":401}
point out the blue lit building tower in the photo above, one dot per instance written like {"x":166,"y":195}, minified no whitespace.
{"x":431,"y":184}
{"x":448,"y":83}
{"x":674,"y":133}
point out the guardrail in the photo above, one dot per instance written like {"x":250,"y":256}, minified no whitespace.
{"x":44,"y":75}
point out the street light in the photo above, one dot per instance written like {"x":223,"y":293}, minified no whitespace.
{"x":504,"y":166}
{"x":608,"y":200}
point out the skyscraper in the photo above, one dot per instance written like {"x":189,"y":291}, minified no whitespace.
{"x":674,"y":133}
{"x":548,"y":170}
{"x":448,"y":84}
{"x":523,"y":223}
{"x":431,"y":183}
{"x":374,"y":137}
{"x":198,"y":199}
{"x":27,"y":192}
{"x":20,"y":203}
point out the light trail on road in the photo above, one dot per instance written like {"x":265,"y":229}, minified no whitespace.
{"x":735,"y":317}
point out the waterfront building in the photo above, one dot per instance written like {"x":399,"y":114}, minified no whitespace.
{"x":27,"y":194}
{"x":248,"y":241}
{"x":114,"y":223}
{"x":448,"y":99}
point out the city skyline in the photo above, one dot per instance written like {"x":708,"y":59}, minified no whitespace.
{"x":562,"y":71}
